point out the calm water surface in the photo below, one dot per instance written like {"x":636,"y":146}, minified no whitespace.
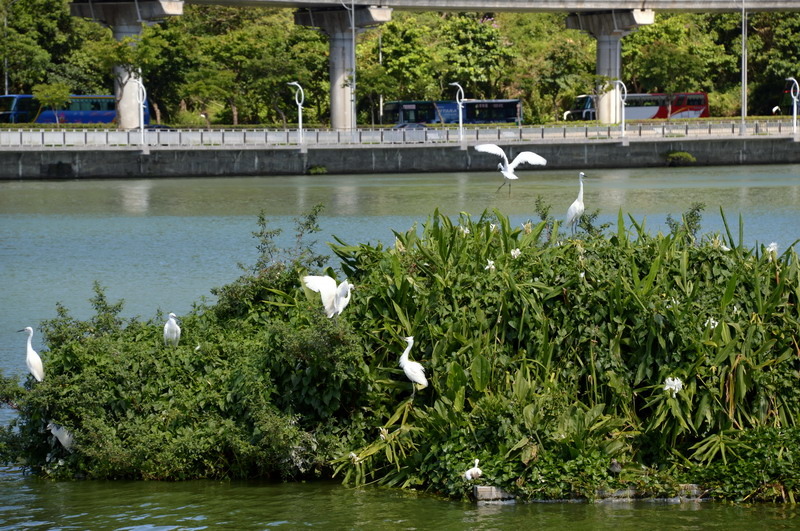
{"x":163,"y":244}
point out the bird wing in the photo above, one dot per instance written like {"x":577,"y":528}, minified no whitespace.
{"x":527,"y":157}
{"x":494,"y":150}
{"x":35,"y":365}
{"x":326,"y":287}
{"x":575,"y":211}
{"x":416,"y":373}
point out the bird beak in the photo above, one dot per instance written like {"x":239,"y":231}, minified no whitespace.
{"x":21,"y":330}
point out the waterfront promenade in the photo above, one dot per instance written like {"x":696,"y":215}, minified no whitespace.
{"x":58,"y":154}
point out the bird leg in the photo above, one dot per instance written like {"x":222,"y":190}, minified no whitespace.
{"x":502,"y":185}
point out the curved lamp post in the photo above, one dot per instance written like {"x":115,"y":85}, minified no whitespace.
{"x":299,"y":98}
{"x":459,"y":102}
{"x":623,"y":95}
{"x":141,"y":99}
{"x":795,"y":93}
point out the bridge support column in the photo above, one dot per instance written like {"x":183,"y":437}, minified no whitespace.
{"x":338,"y":26}
{"x":609,"y":28}
{"x":126,"y":19}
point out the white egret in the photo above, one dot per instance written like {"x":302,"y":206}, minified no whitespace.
{"x":334,"y":299}
{"x":414,"y":371}
{"x":506,"y":168}
{"x":32,"y":359}
{"x":172,"y":332}
{"x":61,"y":433}
{"x":576,"y":208}
{"x":473,"y":473}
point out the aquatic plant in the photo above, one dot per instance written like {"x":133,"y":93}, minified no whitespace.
{"x":546,"y":357}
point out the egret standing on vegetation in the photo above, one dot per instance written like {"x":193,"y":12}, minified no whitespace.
{"x":507,"y":169}
{"x":32,"y":359}
{"x":61,"y":433}
{"x":414,"y":371}
{"x":334,"y":299}
{"x":172,"y":332}
{"x":576,"y":208}
{"x":473,"y":473}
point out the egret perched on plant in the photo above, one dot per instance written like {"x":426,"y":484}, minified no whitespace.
{"x":507,"y":169}
{"x":61,"y":433}
{"x":414,"y":371}
{"x":32,"y":359}
{"x":172,"y":332}
{"x":334,"y":299}
{"x":473,"y":473}
{"x":576,"y":208}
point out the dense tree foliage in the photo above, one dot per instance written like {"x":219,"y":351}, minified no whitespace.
{"x":232,"y":64}
{"x":547,"y":357}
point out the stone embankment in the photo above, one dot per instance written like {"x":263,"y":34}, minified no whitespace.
{"x":154,"y":162}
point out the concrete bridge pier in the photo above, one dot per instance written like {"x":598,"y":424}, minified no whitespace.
{"x":126,"y":19}
{"x":608,"y":28}
{"x":337,"y":24}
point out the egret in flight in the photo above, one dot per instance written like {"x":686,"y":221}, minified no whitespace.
{"x":172,"y":332}
{"x":334,"y":298}
{"x":576,"y":208}
{"x":473,"y":473}
{"x":61,"y":433}
{"x":32,"y":359}
{"x":507,"y":169}
{"x":414,"y":371}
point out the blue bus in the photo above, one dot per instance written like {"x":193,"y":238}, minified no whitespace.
{"x":92,"y":109}
{"x":446,"y":112}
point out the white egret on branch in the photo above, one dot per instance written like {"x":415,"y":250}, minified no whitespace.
{"x":473,"y":473}
{"x":334,"y":298}
{"x":61,"y":433}
{"x":414,"y":371}
{"x":576,"y":208}
{"x":172,"y":332}
{"x":506,"y":168}
{"x":32,"y":359}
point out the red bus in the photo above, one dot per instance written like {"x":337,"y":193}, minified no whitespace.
{"x":647,"y":106}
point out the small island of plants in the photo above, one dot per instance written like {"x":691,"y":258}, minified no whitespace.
{"x":548,"y":357}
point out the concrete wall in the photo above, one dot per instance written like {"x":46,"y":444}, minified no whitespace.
{"x":170,"y":162}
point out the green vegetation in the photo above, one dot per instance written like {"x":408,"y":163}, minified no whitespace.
{"x":232,"y":64}
{"x":680,"y":158}
{"x":546,"y":357}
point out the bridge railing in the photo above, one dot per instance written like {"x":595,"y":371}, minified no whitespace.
{"x":321,"y":138}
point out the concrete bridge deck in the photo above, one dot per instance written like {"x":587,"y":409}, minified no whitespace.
{"x":558,"y":6}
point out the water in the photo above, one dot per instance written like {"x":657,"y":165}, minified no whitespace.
{"x":163,"y":244}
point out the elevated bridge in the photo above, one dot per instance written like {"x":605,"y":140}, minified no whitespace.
{"x":606,"y":20}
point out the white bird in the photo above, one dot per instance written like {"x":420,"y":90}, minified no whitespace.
{"x":61,"y":433}
{"x":172,"y":332}
{"x":414,"y":371}
{"x":32,"y":359}
{"x":507,"y":169}
{"x":334,"y":299}
{"x":473,"y":473}
{"x":576,"y":208}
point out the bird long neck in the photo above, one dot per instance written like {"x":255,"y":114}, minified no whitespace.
{"x":30,"y":340}
{"x":580,"y":190}
{"x":404,"y":356}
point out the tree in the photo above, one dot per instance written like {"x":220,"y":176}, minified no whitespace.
{"x":54,"y":95}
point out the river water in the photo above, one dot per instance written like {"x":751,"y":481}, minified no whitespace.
{"x":163,"y":244}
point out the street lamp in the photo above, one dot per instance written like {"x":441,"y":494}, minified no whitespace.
{"x":623,"y":95}
{"x":141,"y":99}
{"x":299,"y":98}
{"x":743,"y":127}
{"x":795,"y":93}
{"x":459,"y":102}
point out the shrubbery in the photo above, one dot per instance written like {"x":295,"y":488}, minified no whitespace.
{"x":547,"y":357}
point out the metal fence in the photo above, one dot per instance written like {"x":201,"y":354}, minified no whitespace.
{"x":265,"y":138}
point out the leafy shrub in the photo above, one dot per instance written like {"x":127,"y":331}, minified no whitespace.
{"x":546,"y":358}
{"x":680,"y":158}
